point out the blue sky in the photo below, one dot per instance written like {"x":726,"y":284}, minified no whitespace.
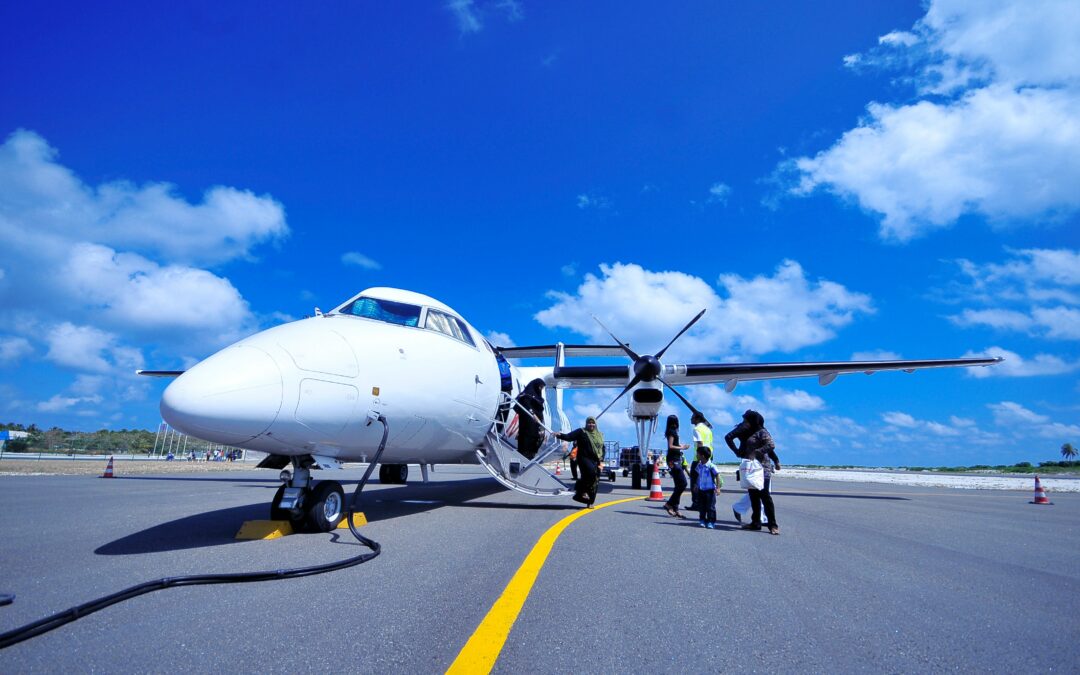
{"x":832,"y":182}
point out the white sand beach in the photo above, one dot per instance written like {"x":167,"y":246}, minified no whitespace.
{"x":971,"y":481}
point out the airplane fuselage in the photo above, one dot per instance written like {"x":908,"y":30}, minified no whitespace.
{"x":307,"y":387}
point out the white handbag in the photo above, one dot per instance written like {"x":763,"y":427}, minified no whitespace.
{"x":752,"y":474}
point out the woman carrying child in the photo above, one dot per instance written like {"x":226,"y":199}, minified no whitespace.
{"x":759,"y":447}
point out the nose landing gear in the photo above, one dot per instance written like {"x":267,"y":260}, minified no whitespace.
{"x":317,"y":509}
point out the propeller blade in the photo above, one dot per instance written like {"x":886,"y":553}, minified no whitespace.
{"x":685,"y":328}
{"x":629,"y":352}
{"x":637,"y":378}
{"x":683,"y":399}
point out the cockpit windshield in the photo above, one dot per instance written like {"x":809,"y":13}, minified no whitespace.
{"x":387,"y":311}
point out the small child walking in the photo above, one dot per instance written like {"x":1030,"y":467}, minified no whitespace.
{"x":708,"y":483}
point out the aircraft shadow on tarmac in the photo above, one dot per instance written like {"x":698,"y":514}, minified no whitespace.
{"x":218,"y":527}
{"x":548,"y":503}
{"x":273,"y":482}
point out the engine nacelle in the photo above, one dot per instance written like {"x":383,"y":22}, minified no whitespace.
{"x":645,"y":400}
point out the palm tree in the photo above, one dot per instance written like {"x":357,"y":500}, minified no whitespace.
{"x":1068,"y":451}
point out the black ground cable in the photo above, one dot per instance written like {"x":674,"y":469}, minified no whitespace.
{"x":49,"y":623}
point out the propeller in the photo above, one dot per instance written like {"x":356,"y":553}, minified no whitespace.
{"x":648,"y":368}
{"x":683,"y":399}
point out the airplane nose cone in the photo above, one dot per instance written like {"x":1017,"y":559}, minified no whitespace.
{"x":229,"y":398}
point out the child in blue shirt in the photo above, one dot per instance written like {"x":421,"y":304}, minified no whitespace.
{"x":708,"y":483}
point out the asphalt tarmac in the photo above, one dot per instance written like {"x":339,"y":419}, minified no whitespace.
{"x":863,"y":578}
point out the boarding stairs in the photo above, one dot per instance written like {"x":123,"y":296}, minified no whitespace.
{"x":499,"y":455}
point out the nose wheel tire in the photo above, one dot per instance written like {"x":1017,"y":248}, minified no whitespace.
{"x":321,"y":509}
{"x":325,"y":506}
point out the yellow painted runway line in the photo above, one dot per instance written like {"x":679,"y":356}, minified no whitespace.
{"x":479,"y":653}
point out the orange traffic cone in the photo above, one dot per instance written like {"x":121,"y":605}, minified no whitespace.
{"x":656,"y":493}
{"x":558,"y":469}
{"x":1040,"y":494}
{"x":108,"y":469}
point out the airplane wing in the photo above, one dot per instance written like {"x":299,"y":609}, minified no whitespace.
{"x":588,"y":377}
{"x":541,"y":351}
{"x":160,"y":373}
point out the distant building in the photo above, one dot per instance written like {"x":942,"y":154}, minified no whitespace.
{"x":6,"y":435}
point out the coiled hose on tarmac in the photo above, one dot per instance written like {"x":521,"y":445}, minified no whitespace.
{"x":67,"y":616}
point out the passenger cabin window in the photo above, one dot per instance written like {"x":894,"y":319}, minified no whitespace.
{"x":386,"y":311}
{"x":448,"y":325}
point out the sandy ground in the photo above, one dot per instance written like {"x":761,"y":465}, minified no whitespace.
{"x":964,"y":482}
{"x":137,"y":467}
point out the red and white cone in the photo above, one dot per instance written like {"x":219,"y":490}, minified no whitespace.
{"x":656,"y":493}
{"x":558,"y":469}
{"x":108,"y":469}
{"x":1040,"y":494}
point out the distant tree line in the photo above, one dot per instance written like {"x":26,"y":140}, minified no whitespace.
{"x":122,"y":442}
{"x":1051,"y":466}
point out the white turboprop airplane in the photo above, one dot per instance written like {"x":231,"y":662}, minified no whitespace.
{"x":307,"y":393}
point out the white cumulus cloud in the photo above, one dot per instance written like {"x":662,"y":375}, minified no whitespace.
{"x":1025,"y":424}
{"x":998,"y":152}
{"x":360,"y":260}
{"x":128,"y":290}
{"x":1009,"y":412}
{"x":996,"y":133}
{"x":40,"y":194}
{"x":897,"y":37}
{"x":786,"y":311}
{"x":782,"y":312}
{"x":14,"y":348}
{"x":902,"y":420}
{"x":1015,"y":365}
{"x":79,"y":272}
{"x":1035,"y":291}
{"x":58,"y":403}
{"x":470,"y":15}
{"x":875,"y":355}
{"x":499,"y":339}
{"x":467,"y":15}
{"x":797,"y":400}
{"x":80,"y":347}
{"x":899,"y":419}
{"x":593,"y":201}
{"x":719,"y":193}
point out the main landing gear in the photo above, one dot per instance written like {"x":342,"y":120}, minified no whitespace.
{"x":393,"y":474}
{"x":312,"y":509}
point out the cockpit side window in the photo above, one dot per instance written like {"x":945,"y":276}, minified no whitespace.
{"x":448,"y":325}
{"x":465,"y":334}
{"x":387,"y":311}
